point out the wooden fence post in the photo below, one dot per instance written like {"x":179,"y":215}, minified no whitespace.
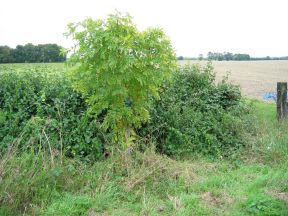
{"x":281,"y":100}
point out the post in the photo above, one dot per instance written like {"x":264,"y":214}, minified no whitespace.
{"x":281,"y":100}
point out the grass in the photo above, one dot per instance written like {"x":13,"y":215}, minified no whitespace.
{"x":272,"y":136}
{"x":151,"y":184}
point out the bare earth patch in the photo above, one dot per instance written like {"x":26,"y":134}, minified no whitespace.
{"x":92,"y":212}
{"x":219,"y":201}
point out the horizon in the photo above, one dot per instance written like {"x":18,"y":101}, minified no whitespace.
{"x":187,"y":57}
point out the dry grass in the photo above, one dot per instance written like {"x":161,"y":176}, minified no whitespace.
{"x":154,"y":167}
{"x":279,"y":195}
{"x":217,"y":200}
{"x":254,"y":77}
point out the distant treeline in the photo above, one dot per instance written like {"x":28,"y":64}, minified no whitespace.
{"x":227,"y":56}
{"x":31,"y":53}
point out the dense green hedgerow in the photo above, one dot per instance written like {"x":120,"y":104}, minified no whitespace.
{"x":38,"y":107}
{"x":195,"y":115}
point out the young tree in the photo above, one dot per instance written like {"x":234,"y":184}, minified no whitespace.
{"x":120,"y":70}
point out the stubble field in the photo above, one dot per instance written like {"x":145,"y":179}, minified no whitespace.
{"x":255,"y":77}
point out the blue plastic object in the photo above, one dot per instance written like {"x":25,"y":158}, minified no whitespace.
{"x":270,"y":96}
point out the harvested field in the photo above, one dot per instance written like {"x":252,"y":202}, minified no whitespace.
{"x":255,"y":77}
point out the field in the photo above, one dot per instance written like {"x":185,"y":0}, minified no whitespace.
{"x":41,"y":181}
{"x":255,"y":77}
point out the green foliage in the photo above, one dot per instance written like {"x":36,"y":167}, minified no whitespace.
{"x":227,"y":56}
{"x":120,"y":70}
{"x":197,"y":116}
{"x":38,"y":106}
{"x":5,"y":54}
{"x":264,"y":206}
{"x":69,"y":205}
{"x":37,"y":102}
{"x":31,"y":53}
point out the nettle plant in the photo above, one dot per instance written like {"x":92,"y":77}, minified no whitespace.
{"x":120,"y":70}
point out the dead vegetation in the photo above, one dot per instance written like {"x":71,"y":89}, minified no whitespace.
{"x":279,"y":195}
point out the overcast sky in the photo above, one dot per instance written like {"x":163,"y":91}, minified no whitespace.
{"x":256,"y":27}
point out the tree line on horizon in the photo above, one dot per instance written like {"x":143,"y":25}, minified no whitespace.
{"x":228,"y":56}
{"x":30,"y":53}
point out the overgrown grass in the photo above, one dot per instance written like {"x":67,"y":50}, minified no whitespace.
{"x":151,"y":184}
{"x":270,"y":145}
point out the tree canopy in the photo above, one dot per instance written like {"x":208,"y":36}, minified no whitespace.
{"x":120,"y":69}
{"x":31,"y":53}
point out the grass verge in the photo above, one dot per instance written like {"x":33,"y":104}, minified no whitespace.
{"x":149,"y":184}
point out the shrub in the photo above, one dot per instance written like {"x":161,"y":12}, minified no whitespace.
{"x":39,"y":107}
{"x":197,"y":116}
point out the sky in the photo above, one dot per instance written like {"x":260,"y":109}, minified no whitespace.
{"x":255,"y":27}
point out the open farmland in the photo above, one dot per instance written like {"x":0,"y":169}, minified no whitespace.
{"x":254,"y":77}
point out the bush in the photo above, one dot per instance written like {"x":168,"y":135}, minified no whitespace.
{"x":194,"y":116}
{"x":39,"y":107}
{"x":197,"y":116}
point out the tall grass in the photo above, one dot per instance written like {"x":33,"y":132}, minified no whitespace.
{"x":270,"y":144}
{"x":43,"y":183}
